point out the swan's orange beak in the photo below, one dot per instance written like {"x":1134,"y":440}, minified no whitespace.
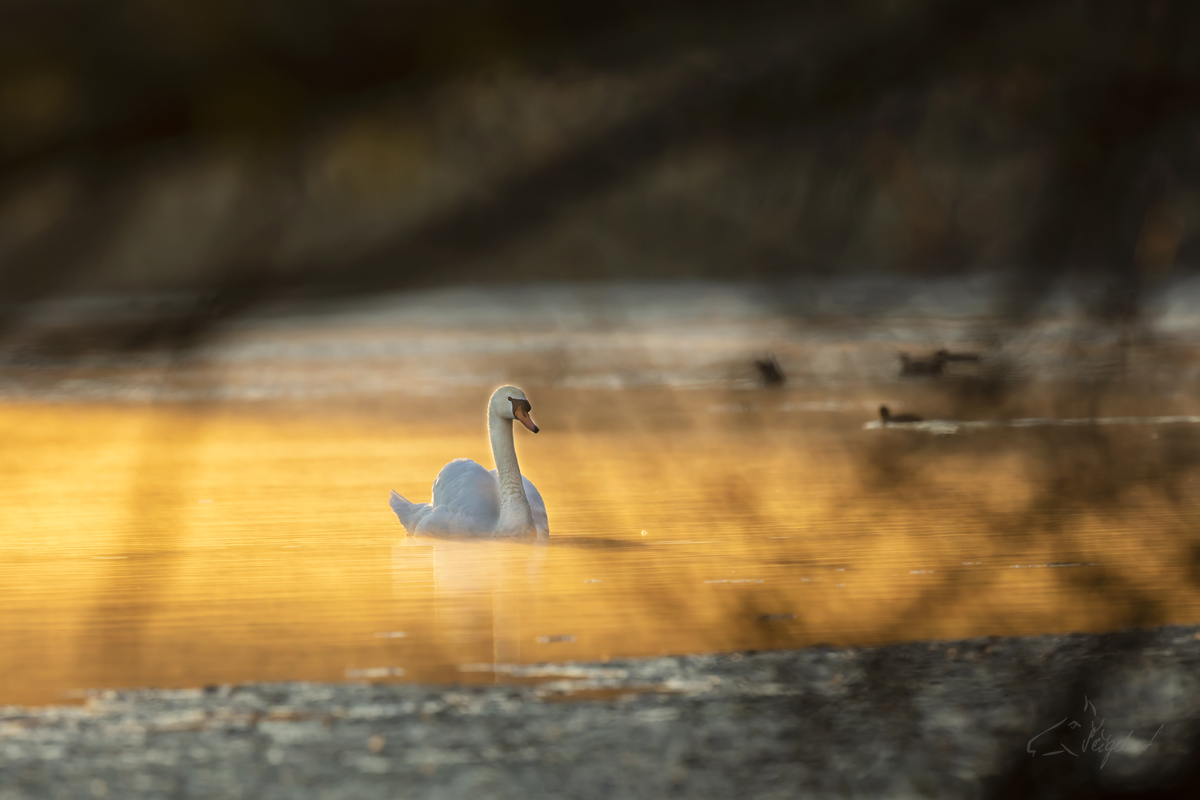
{"x":525,"y":419}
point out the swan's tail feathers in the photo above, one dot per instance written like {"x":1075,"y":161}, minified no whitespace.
{"x":405,"y":511}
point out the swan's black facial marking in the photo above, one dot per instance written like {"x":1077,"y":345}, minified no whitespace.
{"x":521,"y":409}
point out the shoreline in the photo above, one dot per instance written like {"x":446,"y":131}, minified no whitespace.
{"x":984,"y":717}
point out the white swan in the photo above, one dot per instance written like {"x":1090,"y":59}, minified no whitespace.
{"x":470,"y":500}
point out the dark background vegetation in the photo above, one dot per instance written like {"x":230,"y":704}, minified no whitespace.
{"x":244,"y":150}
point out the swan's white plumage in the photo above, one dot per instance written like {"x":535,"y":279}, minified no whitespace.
{"x":467,"y":499}
{"x":536,"y":505}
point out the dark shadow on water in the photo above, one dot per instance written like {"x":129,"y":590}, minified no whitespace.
{"x":595,"y":543}
{"x":580,"y":542}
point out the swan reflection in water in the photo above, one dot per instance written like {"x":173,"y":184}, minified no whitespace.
{"x":478,"y":589}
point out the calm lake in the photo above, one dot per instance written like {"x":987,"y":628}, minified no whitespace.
{"x":222,"y":517}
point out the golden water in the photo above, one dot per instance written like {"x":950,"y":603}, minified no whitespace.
{"x":183,"y":546}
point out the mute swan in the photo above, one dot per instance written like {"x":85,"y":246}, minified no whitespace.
{"x":470,"y":500}
{"x":887,"y":417}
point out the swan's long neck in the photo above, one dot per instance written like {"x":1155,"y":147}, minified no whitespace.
{"x":515,"y":516}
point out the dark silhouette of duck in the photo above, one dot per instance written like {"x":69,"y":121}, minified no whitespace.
{"x":946,"y":355}
{"x":888,"y":418}
{"x":912,"y":367}
{"x":770,"y":372}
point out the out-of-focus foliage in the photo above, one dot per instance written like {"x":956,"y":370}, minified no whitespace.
{"x":259,"y":147}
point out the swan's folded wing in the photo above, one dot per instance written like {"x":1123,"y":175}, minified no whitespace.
{"x":537,"y":506}
{"x":467,"y":490}
{"x":410,"y":514}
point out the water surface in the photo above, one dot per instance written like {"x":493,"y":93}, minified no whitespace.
{"x":180,"y":522}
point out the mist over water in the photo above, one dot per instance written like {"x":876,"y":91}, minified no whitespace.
{"x":837,"y":334}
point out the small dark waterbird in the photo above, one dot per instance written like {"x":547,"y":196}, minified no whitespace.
{"x":946,"y":355}
{"x":770,"y":371}
{"x":912,"y":367}
{"x":888,"y":417}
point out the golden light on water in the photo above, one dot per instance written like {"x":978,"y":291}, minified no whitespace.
{"x":186,"y":546}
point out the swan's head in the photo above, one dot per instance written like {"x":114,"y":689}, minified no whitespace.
{"x":509,"y":402}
